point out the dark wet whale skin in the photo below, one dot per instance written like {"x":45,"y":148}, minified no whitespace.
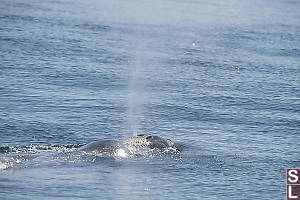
{"x":103,"y":146}
{"x":156,"y":141}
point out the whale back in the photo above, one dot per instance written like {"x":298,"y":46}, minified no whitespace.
{"x":135,"y":144}
{"x":104,"y":146}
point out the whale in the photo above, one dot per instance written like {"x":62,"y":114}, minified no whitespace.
{"x":138,"y":145}
{"x":135,"y":145}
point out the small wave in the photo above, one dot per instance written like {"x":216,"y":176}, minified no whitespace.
{"x":11,"y":155}
{"x":5,"y":163}
{"x":39,"y":148}
{"x":9,"y":161}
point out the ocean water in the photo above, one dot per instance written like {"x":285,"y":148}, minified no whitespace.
{"x":220,"y":77}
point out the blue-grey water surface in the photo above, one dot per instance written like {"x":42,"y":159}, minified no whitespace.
{"x":221,"y":77}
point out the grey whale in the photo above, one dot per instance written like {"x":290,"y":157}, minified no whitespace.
{"x":143,"y":144}
{"x":138,"y":144}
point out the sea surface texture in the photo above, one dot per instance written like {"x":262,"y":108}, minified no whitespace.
{"x":220,"y":77}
